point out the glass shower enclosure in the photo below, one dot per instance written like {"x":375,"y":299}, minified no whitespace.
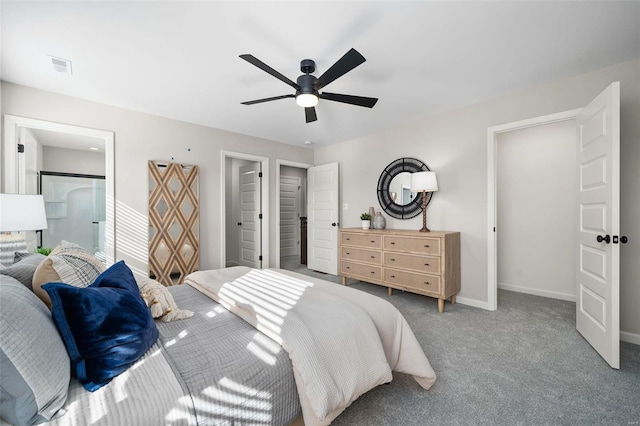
{"x":76,"y":210}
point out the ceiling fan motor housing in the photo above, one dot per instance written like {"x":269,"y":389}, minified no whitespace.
{"x":307,"y":83}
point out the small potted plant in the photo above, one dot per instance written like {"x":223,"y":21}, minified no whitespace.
{"x":366,"y":220}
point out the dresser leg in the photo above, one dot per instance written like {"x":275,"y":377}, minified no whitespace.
{"x":390,"y":291}
{"x":453,"y":299}
{"x":441,"y":305}
{"x":344,"y":280}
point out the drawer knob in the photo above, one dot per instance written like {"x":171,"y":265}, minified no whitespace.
{"x":373,"y":257}
{"x":393,"y":243}
{"x":347,"y":267}
{"x":373,"y":272}
{"x":426,"y":282}
{"x":426,"y":245}
{"x":373,"y":241}
{"x":348,"y":252}
{"x":393,"y":276}
{"x":348,"y":239}
{"x":426,"y":264}
{"x":393,"y":259}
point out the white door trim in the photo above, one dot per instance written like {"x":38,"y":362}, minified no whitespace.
{"x":492,"y":164}
{"x":10,"y":161}
{"x":265,"y":204}
{"x":279,"y":163}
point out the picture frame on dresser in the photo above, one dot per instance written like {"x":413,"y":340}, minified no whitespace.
{"x":408,"y":260}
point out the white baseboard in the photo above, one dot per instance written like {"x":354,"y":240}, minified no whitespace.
{"x":634,"y":338}
{"x":538,"y":292}
{"x":472,"y":302}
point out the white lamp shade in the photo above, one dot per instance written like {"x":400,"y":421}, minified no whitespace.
{"x":424,"y":181}
{"x":22,"y":212}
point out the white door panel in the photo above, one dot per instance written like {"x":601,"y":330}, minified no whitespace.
{"x":598,"y":304}
{"x":323,"y":218}
{"x":289,"y":226}
{"x":250,"y":204}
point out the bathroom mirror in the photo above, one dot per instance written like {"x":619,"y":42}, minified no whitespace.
{"x":394,"y":193}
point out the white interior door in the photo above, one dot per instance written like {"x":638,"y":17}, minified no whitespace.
{"x":598,"y":280}
{"x":250,"y":222}
{"x":289,"y":215}
{"x":323,"y":220}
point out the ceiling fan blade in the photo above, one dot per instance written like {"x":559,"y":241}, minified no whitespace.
{"x":310,"y":114}
{"x":275,"y":98}
{"x":349,"y":99}
{"x":349,"y":61}
{"x":266,"y":68}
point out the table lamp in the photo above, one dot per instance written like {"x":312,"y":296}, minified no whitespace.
{"x":424,"y":182}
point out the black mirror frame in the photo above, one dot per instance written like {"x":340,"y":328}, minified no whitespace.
{"x":414,"y":208}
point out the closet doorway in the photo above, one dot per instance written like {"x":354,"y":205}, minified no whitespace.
{"x":291,"y":214}
{"x":537,"y":191}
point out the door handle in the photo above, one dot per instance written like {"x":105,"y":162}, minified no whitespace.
{"x":606,"y":239}
{"x":335,"y":224}
{"x":623,"y":239}
{"x":239,"y":223}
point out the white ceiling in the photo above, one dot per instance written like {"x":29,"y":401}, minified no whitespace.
{"x":68,"y":140}
{"x":179,"y":59}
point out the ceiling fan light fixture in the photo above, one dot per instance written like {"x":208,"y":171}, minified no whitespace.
{"x":307,"y":100}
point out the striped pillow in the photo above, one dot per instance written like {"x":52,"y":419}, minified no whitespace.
{"x":68,"y":263}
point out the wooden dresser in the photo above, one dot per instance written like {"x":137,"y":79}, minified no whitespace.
{"x":426,"y":263}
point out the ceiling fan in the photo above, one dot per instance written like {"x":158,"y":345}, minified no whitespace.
{"x":308,"y":86}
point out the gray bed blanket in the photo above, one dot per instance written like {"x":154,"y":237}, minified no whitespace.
{"x":234,"y":373}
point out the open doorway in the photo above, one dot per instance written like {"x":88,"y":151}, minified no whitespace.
{"x":537,"y":173}
{"x":245,"y":225}
{"x":64,"y":149}
{"x":495,"y":229}
{"x":291,"y":220}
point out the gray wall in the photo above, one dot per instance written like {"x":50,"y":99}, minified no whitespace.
{"x":142,"y":137}
{"x":454,"y":145}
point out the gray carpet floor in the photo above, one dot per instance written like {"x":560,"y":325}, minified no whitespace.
{"x":524,"y":364}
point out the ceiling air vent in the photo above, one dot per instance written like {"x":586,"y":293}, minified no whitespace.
{"x":61,"y":65}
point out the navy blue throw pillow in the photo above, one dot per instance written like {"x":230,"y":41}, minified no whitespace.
{"x":106,"y":326}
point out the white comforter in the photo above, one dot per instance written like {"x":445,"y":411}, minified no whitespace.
{"x":342,"y":342}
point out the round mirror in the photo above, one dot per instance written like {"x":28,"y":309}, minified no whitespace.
{"x":394,"y":193}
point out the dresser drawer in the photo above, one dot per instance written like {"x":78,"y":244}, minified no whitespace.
{"x":413,"y":244}
{"x":361,"y":240}
{"x":361,"y":270}
{"x":361,"y":255}
{"x":429,"y":264}
{"x":413,"y":280}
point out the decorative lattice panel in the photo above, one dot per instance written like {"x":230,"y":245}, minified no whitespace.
{"x":174,"y":222}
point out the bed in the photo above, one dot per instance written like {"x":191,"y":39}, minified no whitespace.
{"x":232,"y":362}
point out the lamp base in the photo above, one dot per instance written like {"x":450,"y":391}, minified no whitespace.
{"x":424,"y":213}
{"x":9,"y":244}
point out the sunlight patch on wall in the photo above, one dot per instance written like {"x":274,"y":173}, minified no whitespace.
{"x":133,"y":229}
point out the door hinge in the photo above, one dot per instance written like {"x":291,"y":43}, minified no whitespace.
{"x":260,"y":216}
{"x":259,"y":174}
{"x":260,"y":258}
{"x":20,"y":148}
